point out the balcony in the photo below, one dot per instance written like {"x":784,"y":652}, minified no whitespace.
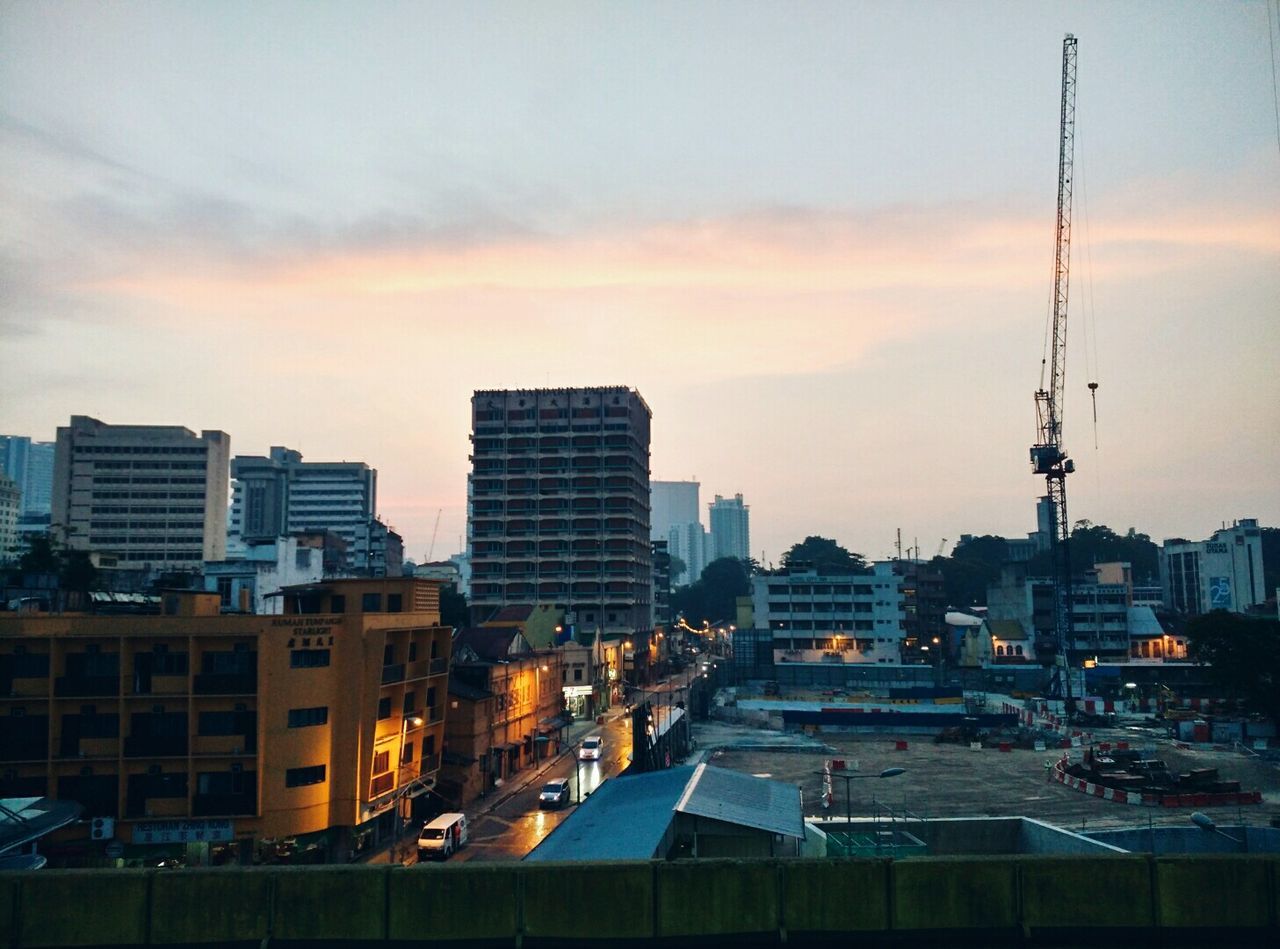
{"x":382,"y":784}
{"x":244,"y":804}
{"x":226,"y":683}
{"x":147,"y":746}
{"x":86,"y":686}
{"x":439,"y":666}
{"x":393,"y":673}
{"x":428,"y":764}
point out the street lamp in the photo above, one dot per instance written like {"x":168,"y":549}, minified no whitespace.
{"x":415,"y":721}
{"x":1205,"y":822}
{"x":849,"y":776}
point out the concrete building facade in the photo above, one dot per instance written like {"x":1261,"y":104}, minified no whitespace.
{"x":279,"y":494}
{"x":143,"y":496}
{"x":10,"y":506}
{"x":1222,"y":573}
{"x":730,"y":521}
{"x":251,"y":581}
{"x":235,"y":731}
{"x":559,"y":505}
{"x":818,"y":617}
{"x":30,"y":465}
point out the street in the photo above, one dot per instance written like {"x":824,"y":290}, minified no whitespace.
{"x":514,"y":827}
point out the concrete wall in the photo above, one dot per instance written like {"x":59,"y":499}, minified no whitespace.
{"x":1191,"y":840}
{"x":926,"y":901}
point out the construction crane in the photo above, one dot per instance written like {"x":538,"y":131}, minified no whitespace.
{"x":1048,"y":457}
{"x":435,"y":530}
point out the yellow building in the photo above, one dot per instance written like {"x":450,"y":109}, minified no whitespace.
{"x":269,"y":737}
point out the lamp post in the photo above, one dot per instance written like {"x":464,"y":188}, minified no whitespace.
{"x":1206,"y":823}
{"x":415,"y":721}
{"x":850,"y":776}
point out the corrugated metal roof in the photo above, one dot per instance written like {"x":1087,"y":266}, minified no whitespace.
{"x":623,"y":819}
{"x":1143,"y":622}
{"x":743,"y":799}
{"x":1006,"y":629}
{"x":626,"y":818}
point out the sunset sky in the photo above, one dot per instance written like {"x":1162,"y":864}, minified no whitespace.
{"x":816,"y":237}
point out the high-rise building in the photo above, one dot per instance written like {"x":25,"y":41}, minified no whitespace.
{"x":672,"y":504}
{"x":145,"y":496}
{"x":30,"y":465}
{"x":559,"y":505}
{"x":10,"y":505}
{"x":730,"y":528}
{"x":688,"y":543}
{"x":280,"y":494}
{"x":1222,"y":573}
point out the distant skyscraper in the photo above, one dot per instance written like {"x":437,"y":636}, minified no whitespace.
{"x":559,"y":509}
{"x":673,"y":503}
{"x":153,"y":496}
{"x":10,"y":503}
{"x":730,"y":528}
{"x":29,"y":465}
{"x":688,"y":543}
{"x":281,"y":494}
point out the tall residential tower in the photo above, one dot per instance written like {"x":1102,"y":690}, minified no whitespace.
{"x":559,"y":510}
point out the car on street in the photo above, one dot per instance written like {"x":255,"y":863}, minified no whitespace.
{"x":555,"y":794}
{"x":591,"y":749}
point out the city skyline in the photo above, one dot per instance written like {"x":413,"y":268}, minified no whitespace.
{"x":816,"y":238}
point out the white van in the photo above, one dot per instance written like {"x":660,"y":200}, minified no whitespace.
{"x":442,"y":836}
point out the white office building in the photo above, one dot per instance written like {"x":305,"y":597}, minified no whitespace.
{"x":1222,"y":573}
{"x":280,"y":494}
{"x":141,"y":496}
{"x":817,"y":617}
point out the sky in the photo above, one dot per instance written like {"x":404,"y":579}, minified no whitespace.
{"x":816,"y":237}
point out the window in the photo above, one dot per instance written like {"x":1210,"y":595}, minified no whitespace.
{"x":577,"y":675}
{"x":394,"y":603}
{"x":300,"y":777}
{"x":381,"y":762}
{"x":410,"y":702}
{"x":304,"y":717}
{"x":384,"y":707}
{"x":389,"y":654}
{"x":371,"y":603}
{"x":408,"y":753}
{"x":337,"y":603}
{"x":413,"y":651}
{"x":308,"y":658}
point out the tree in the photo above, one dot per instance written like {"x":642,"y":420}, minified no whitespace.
{"x":1243,"y":656}
{"x":972,"y":567}
{"x":678,"y":568}
{"x":453,"y":607}
{"x":1096,"y":543}
{"x":713,"y":598}
{"x":823,"y":555}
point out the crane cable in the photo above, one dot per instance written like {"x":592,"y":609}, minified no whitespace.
{"x":1271,"y":40}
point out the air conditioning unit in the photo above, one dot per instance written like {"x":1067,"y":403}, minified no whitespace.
{"x":102,"y":828}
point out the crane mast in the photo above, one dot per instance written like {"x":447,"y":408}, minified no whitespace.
{"x":1048,"y":457}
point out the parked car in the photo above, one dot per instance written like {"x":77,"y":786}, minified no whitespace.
{"x":443,"y":836}
{"x":555,"y":794}
{"x":591,"y":748}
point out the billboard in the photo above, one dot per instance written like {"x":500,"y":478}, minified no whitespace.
{"x":1219,"y":593}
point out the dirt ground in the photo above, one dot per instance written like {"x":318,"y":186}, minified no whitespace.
{"x":944,"y":780}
